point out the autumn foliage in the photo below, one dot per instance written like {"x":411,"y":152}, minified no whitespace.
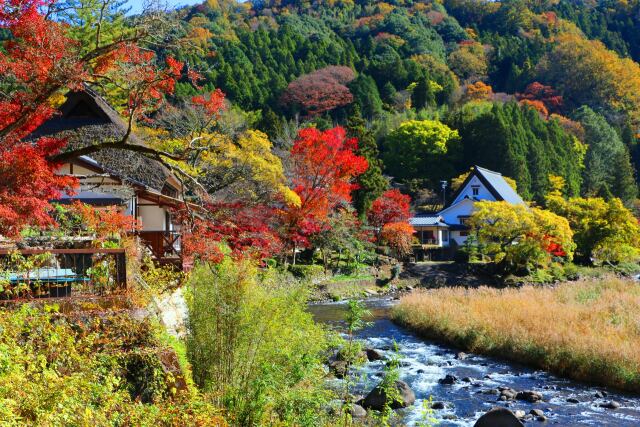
{"x":324,"y":165}
{"x":398,"y":236}
{"x":320,"y":91}
{"x":391,"y":206}
{"x":38,"y":62}
{"x":242,"y":231}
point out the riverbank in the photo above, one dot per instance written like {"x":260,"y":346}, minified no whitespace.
{"x":588,"y":330}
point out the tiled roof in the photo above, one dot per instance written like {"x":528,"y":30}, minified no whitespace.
{"x":427,"y":220}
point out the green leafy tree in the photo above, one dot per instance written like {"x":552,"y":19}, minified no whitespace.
{"x":417,"y":148}
{"x":605,"y":231}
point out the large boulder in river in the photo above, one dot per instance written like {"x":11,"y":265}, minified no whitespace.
{"x":498,"y":417}
{"x":377,"y":398}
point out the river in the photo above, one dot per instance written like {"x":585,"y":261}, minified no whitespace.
{"x":425,"y":362}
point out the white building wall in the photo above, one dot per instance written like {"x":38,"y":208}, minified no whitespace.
{"x":467,"y":191}
{"x":152,"y":218}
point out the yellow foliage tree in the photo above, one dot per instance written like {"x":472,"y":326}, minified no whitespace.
{"x":518,"y":237}
{"x":605,"y":231}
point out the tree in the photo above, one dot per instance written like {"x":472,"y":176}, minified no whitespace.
{"x":366,"y":95}
{"x":371,"y":183}
{"x":605,"y":231}
{"x":469,"y":60}
{"x":391,"y":206}
{"x":606,"y":81}
{"x":39,"y":61}
{"x":520,"y":238}
{"x":547,"y":95}
{"x":416,"y":149}
{"x":324,"y":165}
{"x":422,"y":95}
{"x":607,"y":161}
{"x":320,"y":91}
{"x":399,"y":237}
{"x":478,"y":91}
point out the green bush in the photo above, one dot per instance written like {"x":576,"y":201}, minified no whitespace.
{"x":304,"y":271}
{"x":61,"y":371}
{"x":253,"y":345}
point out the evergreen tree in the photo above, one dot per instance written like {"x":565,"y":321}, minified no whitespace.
{"x":372,"y":183}
{"x":607,"y":161}
{"x":422,"y":95}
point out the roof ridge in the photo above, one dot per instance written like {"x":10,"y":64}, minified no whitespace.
{"x":487,"y":170}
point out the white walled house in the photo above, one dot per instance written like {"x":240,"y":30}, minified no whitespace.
{"x":449,"y":226}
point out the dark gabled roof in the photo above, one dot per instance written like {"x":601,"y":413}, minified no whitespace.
{"x":495,"y":183}
{"x":86,"y":118}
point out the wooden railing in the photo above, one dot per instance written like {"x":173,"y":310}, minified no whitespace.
{"x":56,"y":273}
{"x":163,"y":245}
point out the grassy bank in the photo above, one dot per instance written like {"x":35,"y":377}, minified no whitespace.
{"x":587,"y":330}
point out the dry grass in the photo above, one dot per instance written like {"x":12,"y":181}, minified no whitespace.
{"x":587,"y":330}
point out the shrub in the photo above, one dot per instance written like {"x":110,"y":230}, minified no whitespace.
{"x":56,"y":370}
{"x":303,"y":271}
{"x":253,"y":345}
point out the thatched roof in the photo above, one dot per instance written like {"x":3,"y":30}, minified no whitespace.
{"x":85,"y":118}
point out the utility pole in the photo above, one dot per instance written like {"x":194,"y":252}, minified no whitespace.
{"x":444,"y":193}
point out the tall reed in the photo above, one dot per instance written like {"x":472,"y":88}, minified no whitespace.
{"x":586,"y":330}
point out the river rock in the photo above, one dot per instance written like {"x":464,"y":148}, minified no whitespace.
{"x":537,"y":412}
{"x":461,"y":356}
{"x":467,"y":380}
{"x":572,"y":400}
{"x":338,"y":368}
{"x":520,"y":414}
{"x":373,"y":354}
{"x":438,"y":405}
{"x":357,"y":411}
{"x":448,"y":379}
{"x":377,"y":398}
{"x":507,"y":393}
{"x":498,"y":417}
{"x":600,"y":394}
{"x":529,"y":396}
{"x":612,"y":404}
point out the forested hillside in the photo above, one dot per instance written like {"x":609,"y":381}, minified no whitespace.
{"x":530,"y":89}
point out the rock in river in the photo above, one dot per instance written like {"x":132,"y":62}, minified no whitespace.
{"x":373,"y":354}
{"x":358,"y":411}
{"x":498,"y":417}
{"x":377,"y":398}
{"x":448,"y":379}
{"x":529,"y":396}
{"x":437,"y":405}
{"x":612,"y":404}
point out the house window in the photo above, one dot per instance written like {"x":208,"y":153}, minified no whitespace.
{"x":463,"y":220}
{"x":475,"y":189}
{"x":464,"y":233}
{"x":445,"y":235}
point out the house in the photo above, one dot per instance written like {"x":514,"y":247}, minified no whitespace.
{"x":140,"y":186}
{"x":449,"y":228}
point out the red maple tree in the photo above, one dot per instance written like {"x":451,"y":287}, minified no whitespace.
{"x":391,"y":206}
{"x":320,"y":91}
{"x":537,"y":92}
{"x":39,"y":61}
{"x":324,"y":164}
{"x":245,"y":231}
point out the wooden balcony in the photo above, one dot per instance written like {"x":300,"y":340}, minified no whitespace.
{"x":57,"y":273}
{"x":165,"y":246}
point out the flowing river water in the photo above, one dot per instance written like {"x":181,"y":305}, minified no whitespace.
{"x":425,"y":362}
